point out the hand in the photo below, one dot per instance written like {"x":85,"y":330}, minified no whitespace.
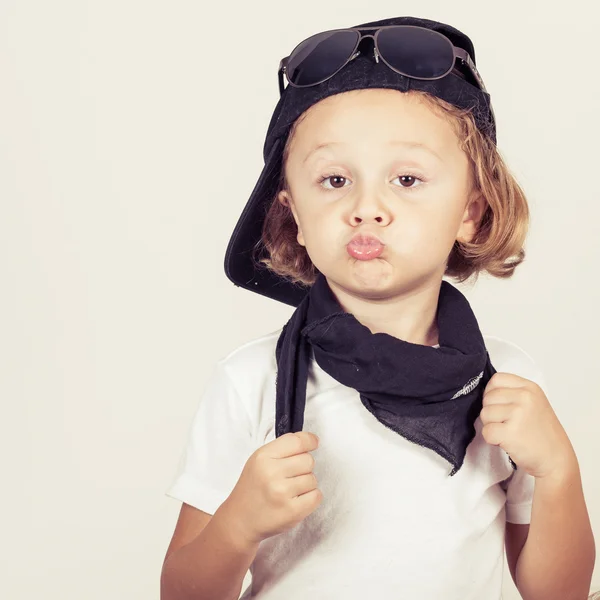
{"x":517,"y":416}
{"x":277,"y":488}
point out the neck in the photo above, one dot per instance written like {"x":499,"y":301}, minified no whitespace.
{"x":409,"y":315}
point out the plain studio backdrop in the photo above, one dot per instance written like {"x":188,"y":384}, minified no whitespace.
{"x":131,"y":136}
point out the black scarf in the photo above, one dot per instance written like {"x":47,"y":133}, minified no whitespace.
{"x":430,"y":396}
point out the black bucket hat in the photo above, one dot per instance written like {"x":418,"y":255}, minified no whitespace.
{"x":361,"y":72}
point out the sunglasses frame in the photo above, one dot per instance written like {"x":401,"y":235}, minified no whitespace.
{"x":459,"y":53}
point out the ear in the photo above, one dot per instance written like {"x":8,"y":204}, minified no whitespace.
{"x":286,"y":199}
{"x":471,"y":218}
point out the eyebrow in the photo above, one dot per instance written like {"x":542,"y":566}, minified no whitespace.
{"x":412,"y":145}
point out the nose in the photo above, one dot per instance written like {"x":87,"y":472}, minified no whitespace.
{"x":369,"y":209}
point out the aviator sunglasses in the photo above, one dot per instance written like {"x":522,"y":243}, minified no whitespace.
{"x":410,"y":50}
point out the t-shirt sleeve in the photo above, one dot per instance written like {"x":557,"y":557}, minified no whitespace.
{"x":519,"y":487}
{"x":219,"y":442}
{"x":519,"y":496}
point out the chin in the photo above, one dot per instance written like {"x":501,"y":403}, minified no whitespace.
{"x":367,"y":285}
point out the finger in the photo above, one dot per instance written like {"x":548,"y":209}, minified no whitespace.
{"x":299,"y":464}
{"x":493,"y":433}
{"x":499,"y":395}
{"x":290,"y":444}
{"x":509,"y":380}
{"x":496,"y":413}
{"x":302,"y":484}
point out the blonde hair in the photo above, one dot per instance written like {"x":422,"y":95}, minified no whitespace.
{"x":497,"y":246}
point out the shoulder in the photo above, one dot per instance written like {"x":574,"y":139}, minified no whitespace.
{"x":245,"y":376}
{"x":253,"y":360}
{"x":508,"y":357}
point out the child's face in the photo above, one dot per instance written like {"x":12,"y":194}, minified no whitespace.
{"x":418,"y":219}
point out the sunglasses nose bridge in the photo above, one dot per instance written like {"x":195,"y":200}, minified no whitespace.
{"x":361,"y":42}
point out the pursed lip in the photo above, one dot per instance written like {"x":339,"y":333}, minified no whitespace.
{"x":365,"y":238}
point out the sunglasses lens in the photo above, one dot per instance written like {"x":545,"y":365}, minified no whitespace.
{"x":320,"y":56}
{"x":416,"y":51}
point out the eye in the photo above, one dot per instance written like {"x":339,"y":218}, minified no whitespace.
{"x":332,"y":176}
{"x":411,"y":179}
{"x":404,"y":177}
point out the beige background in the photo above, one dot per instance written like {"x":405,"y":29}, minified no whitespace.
{"x":131,"y":136}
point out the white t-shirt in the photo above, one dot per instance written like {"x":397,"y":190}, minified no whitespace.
{"x":392,"y":523}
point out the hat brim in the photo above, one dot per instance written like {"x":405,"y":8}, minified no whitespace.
{"x":240,"y":266}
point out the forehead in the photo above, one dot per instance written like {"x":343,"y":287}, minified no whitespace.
{"x":373,"y":118}
{"x":421,"y":149}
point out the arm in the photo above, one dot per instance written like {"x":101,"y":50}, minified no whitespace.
{"x":212,"y":566}
{"x":515,"y":536}
{"x":557,"y":560}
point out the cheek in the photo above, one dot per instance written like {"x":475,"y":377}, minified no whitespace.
{"x":324,"y":238}
{"x":319,"y":233}
{"x":430,"y":234}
